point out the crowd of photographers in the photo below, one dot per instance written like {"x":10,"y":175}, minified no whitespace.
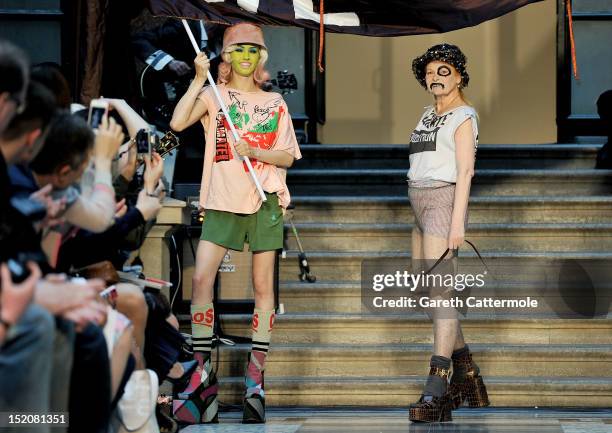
{"x":76,"y":200}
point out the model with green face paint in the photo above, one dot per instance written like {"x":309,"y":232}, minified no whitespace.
{"x":245,"y":59}
{"x":234,"y":211}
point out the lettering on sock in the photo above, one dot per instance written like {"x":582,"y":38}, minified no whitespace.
{"x":255,"y":325}
{"x":206,"y":319}
{"x":255,"y":321}
{"x":272,"y":316}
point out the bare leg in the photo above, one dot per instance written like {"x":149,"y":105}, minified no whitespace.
{"x":131,"y":302}
{"x":263,"y":279}
{"x":121,"y":352}
{"x":460,"y":341}
{"x":263,"y":322}
{"x":417,"y":244}
{"x":201,"y":405}
{"x":446,"y":324}
{"x":208,"y":259}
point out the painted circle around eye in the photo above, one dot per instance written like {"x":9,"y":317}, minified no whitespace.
{"x":444,"y":71}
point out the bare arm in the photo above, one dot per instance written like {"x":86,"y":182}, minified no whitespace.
{"x":190,"y":108}
{"x":279,"y":158}
{"x":465,"y":157}
{"x":95,"y":212}
{"x":133,"y":121}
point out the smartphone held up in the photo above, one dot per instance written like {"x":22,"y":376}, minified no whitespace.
{"x":147,"y":141}
{"x":98,"y":110}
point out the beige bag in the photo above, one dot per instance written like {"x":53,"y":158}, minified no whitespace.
{"x":136,"y":409}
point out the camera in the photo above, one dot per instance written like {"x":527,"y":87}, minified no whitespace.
{"x":32,"y":209}
{"x":18,"y":265}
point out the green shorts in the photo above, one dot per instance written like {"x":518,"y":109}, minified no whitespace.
{"x":263,"y":230}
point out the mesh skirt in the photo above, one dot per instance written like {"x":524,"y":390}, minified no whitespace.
{"x":433,"y":209}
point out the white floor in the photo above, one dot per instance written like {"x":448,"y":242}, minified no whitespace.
{"x":490,"y":420}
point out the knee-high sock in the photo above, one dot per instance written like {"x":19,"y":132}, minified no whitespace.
{"x":202,"y":325}
{"x":263,"y":322}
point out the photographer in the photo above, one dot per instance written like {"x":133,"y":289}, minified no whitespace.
{"x":50,"y":75}
{"x":35,"y":359}
{"x":161,"y":344}
{"x":21,"y":140}
{"x":61,"y":163}
{"x":63,"y":159}
{"x":111,"y":243}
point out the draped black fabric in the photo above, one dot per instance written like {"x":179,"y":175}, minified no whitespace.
{"x":360,"y":17}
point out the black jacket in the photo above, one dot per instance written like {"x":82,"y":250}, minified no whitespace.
{"x":86,"y":248}
{"x":17,"y":234}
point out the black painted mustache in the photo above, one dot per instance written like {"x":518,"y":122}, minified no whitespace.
{"x":431,"y":86}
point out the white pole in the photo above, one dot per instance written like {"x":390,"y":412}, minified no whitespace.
{"x":226,"y":113}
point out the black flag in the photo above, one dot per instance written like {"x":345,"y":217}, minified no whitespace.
{"x":360,"y":17}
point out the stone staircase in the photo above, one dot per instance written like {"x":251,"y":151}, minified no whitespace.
{"x":351,"y":204}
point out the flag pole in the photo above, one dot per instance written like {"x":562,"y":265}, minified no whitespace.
{"x":226,"y":113}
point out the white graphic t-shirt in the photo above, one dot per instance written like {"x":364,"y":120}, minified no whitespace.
{"x":432,"y":145}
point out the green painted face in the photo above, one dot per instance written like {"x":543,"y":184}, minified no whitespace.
{"x":245,"y":59}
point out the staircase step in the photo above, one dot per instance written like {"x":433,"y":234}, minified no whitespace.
{"x":346,"y":360}
{"x":483,"y":209}
{"x":346,"y":265}
{"x":321,"y":297}
{"x":488,"y":156}
{"x":533,"y":182}
{"x":401,"y":391}
{"x":487,"y":237}
{"x":347,"y":328}
{"x":550,"y":205}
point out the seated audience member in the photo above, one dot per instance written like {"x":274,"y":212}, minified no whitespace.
{"x":28,"y":336}
{"x":61,"y":163}
{"x":27,"y":331}
{"x":50,"y":75}
{"x":71,"y":139}
{"x":63,"y":159}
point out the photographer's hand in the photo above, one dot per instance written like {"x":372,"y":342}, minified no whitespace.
{"x":15,"y":298}
{"x":149,"y":206}
{"x":58,"y":297}
{"x":160,"y":191}
{"x":154,"y":169}
{"x":55,"y":208}
{"x":130,"y":164}
{"x":90,"y":312}
{"x":133,"y":121}
{"x":120,"y":208}
{"x":108,"y":140}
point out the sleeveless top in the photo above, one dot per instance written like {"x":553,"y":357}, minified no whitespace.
{"x":432,"y":146}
